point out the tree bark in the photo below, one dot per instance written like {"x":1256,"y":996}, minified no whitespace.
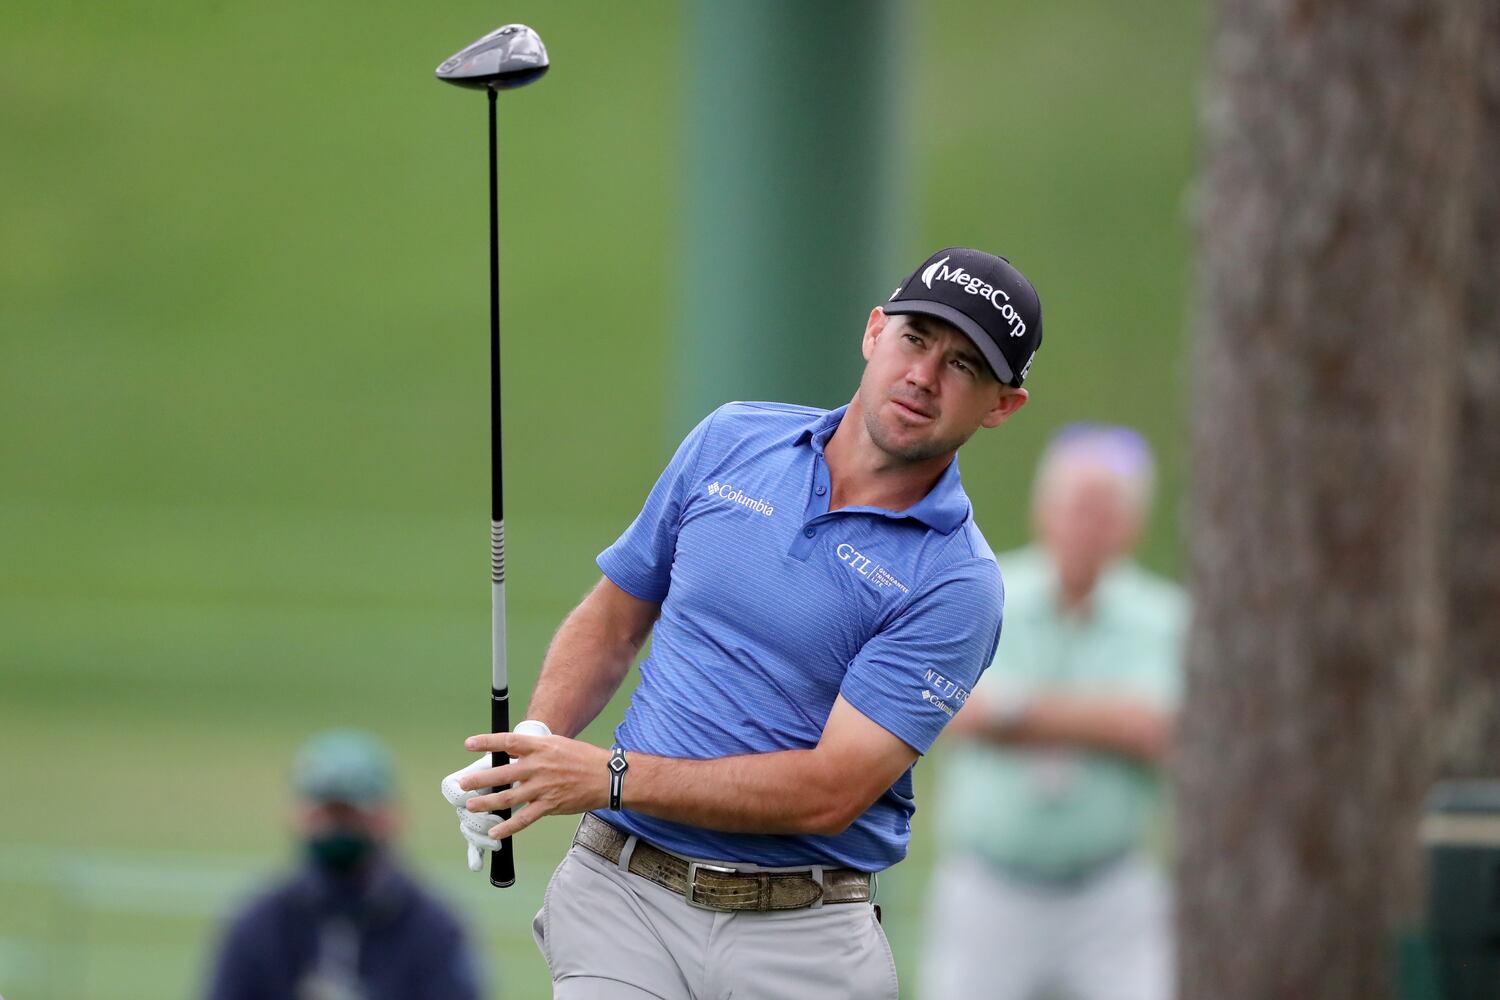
{"x":1469,"y":724}
{"x":1338,"y":166}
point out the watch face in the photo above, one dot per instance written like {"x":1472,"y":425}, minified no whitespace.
{"x":617,"y":763}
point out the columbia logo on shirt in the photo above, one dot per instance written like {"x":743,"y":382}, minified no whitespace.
{"x":724,"y":491}
{"x":933,"y":699}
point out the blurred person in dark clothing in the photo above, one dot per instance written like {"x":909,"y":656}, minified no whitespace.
{"x":348,"y":924}
{"x":1046,"y":885}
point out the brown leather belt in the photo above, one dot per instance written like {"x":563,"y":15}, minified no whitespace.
{"x":721,"y":887}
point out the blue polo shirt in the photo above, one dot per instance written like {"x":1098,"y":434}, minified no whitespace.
{"x":772,"y":606}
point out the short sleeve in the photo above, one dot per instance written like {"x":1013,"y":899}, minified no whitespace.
{"x":913,"y":675}
{"x":640,"y":560}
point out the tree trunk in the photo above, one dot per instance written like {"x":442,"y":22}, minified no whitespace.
{"x":1339,"y":155}
{"x":1469,"y":724}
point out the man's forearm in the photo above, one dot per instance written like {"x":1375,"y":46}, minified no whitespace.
{"x":820,"y":790}
{"x":785,"y":791}
{"x":584,"y":666}
{"x":1113,"y":726}
{"x":816,"y":791}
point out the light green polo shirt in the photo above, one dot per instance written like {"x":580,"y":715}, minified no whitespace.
{"x":1052,"y":813}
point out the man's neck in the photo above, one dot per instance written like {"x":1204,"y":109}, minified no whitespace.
{"x":1076,"y":601}
{"x":1075,"y":595}
{"x":861,"y":475}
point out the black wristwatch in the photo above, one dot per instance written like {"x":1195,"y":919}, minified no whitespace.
{"x":618,"y":765}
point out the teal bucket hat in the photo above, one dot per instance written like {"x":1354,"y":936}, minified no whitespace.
{"x":344,"y":765}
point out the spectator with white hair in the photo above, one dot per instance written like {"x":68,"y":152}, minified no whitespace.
{"x":1046,"y":887}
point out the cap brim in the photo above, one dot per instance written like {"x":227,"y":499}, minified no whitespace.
{"x":966,"y":326}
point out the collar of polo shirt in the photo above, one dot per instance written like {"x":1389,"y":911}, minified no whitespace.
{"x":943,"y":508}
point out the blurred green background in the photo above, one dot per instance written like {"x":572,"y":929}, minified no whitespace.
{"x":243,"y":399}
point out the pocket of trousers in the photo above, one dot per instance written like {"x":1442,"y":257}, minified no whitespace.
{"x":539,"y":922}
{"x":890,"y":958}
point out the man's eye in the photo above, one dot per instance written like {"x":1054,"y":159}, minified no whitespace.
{"x":912,"y":338}
{"x":961,"y":366}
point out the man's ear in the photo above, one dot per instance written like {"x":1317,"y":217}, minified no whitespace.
{"x":1010,"y":401}
{"x":877,"y":322}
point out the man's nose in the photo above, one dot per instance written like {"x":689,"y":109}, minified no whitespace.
{"x":923,"y":371}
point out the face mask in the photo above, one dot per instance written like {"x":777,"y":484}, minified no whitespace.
{"x":340,"y":851}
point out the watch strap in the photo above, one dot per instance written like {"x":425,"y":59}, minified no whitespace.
{"x":618,"y":765}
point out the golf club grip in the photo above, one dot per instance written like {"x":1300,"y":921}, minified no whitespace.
{"x":502,"y":861}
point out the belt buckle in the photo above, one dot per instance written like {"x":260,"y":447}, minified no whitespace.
{"x":692,"y":883}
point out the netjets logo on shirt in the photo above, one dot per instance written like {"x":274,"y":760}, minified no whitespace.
{"x":940,"y":271}
{"x":724,"y":491}
{"x":940,"y":690}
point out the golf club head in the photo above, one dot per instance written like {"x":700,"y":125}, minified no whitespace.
{"x":507,"y":57}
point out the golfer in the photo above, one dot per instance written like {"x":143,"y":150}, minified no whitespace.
{"x":820,"y":603}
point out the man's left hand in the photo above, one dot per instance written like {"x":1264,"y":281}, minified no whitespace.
{"x":562,"y":777}
{"x":473,"y":827}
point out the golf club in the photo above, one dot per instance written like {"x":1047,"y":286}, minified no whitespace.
{"x":506,"y":58}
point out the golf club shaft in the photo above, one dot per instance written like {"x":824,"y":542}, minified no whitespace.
{"x":502,"y":861}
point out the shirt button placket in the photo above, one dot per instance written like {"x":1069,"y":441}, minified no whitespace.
{"x":802,"y":546}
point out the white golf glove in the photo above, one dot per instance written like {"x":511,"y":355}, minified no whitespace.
{"x":475,"y":827}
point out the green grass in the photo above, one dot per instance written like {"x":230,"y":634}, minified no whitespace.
{"x":243,"y":492}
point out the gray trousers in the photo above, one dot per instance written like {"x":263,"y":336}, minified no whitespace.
{"x":991,"y":937}
{"x":607,"y":934}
